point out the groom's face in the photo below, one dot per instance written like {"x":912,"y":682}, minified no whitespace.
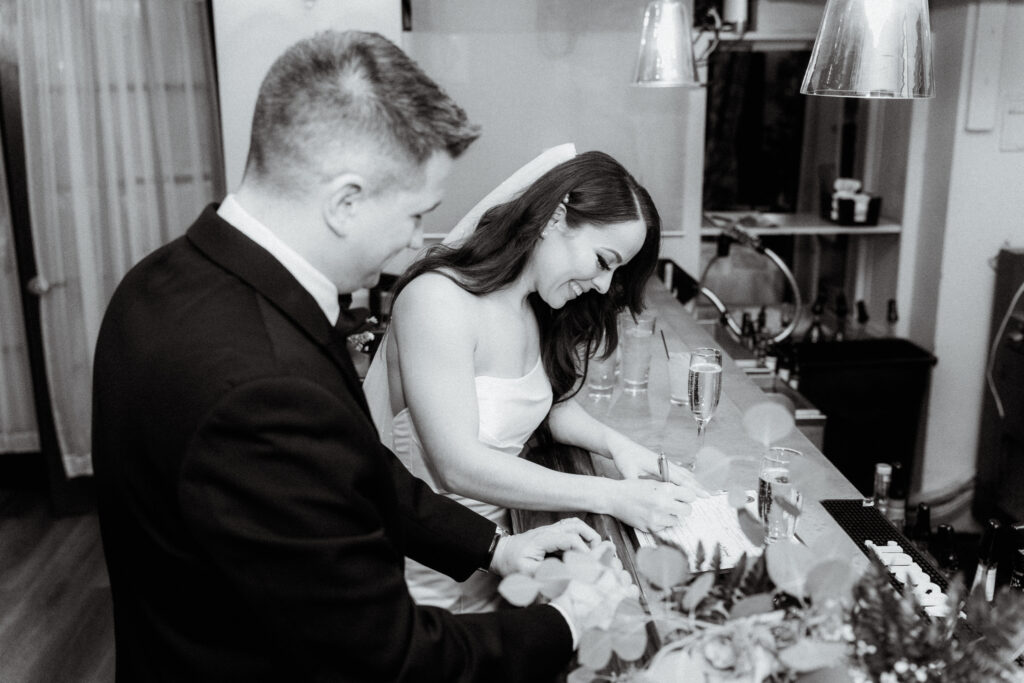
{"x":390,"y":219}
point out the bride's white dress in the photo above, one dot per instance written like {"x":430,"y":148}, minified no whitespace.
{"x":510,"y":410}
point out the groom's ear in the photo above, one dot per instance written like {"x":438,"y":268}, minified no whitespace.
{"x":340,"y":206}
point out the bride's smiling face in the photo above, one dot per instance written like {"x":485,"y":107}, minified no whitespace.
{"x":570,"y":261}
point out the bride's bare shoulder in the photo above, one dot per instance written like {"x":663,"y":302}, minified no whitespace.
{"x":434,"y":294}
{"x":434,"y":289}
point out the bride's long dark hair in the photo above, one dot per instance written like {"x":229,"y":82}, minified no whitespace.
{"x":600,"y":192}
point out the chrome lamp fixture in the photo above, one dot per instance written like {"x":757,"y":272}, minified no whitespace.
{"x":873,"y":49}
{"x":666,"y":47}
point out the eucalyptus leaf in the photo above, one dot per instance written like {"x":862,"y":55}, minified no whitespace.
{"x":752,"y":527}
{"x":664,"y":567}
{"x":551,"y":569}
{"x":552,"y":588}
{"x":834,"y":674}
{"x":585,"y":572}
{"x":788,"y":566}
{"x":677,"y":666}
{"x":595,"y":648}
{"x":519,"y":589}
{"x":630,"y":608}
{"x":831,"y":579}
{"x":737,"y":497}
{"x":698,"y":590}
{"x":809,"y":655}
{"x":761,"y":603}
{"x":767,"y":422}
{"x":711,"y":468}
{"x":582,"y":674}
{"x":629,"y":639}
{"x":606,"y":555}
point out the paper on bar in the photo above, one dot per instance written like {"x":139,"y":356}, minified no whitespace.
{"x":712,"y":520}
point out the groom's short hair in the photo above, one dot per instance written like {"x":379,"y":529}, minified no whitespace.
{"x":339,"y":94}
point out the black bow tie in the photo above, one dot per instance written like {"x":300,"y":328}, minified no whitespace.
{"x":352,"y":320}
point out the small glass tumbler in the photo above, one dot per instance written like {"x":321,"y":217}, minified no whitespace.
{"x":601,"y":375}
{"x":635,"y":337}
{"x":778,"y":501}
{"x":679,"y":377}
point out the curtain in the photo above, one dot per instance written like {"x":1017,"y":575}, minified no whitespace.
{"x":122,"y":148}
{"x":18,"y":432}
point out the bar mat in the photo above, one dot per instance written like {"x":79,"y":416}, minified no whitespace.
{"x":865,"y":523}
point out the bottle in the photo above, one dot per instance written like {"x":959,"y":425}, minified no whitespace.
{"x":922,"y":532}
{"x":880,"y":494}
{"x":814,"y":333}
{"x":985,"y":573}
{"x":785,"y":362}
{"x":1016,"y":561}
{"x":761,"y":351}
{"x":842,"y":310}
{"x":891,"y":317}
{"x":1017,"y":571}
{"x":794,"y":368}
{"x":862,"y":319}
{"x":771,"y":356}
{"x":897,"y":513}
{"x":762,"y":320}
{"x":944,"y":550}
{"x":747,"y":335}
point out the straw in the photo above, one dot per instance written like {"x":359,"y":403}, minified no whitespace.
{"x":665,"y":344}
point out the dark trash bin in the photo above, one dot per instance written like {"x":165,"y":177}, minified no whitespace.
{"x":872,"y":392}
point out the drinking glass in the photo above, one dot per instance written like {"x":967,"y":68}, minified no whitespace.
{"x":678,"y":377}
{"x":704,"y":385}
{"x":601,"y":374}
{"x":778,"y":501}
{"x":636,"y":335}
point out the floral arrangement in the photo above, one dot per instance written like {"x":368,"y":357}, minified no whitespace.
{"x":785,"y":615}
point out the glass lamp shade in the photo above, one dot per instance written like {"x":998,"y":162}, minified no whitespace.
{"x":872,"y":48}
{"x":666,"y":47}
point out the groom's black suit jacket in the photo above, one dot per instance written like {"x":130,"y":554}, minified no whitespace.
{"x":254,"y":526}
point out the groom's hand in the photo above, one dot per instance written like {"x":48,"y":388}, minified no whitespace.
{"x":523,"y":552}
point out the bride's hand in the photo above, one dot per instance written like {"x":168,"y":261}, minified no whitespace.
{"x":634,"y":461}
{"x":650,"y":505}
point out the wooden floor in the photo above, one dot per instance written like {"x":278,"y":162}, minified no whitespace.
{"x":56,"y":623}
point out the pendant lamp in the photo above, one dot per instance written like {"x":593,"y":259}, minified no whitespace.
{"x":872,"y":48}
{"x":666,"y":47}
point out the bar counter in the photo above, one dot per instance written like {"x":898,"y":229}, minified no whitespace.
{"x":650,"y":419}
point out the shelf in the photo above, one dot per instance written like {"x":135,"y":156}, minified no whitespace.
{"x":797,"y":224}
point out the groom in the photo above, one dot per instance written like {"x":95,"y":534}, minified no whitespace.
{"x":254,"y":527}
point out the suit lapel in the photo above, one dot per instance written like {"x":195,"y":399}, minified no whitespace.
{"x":236,"y":253}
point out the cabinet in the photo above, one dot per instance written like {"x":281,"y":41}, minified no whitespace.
{"x":865,"y":139}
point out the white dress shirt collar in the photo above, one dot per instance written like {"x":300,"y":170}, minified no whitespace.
{"x":312,"y":280}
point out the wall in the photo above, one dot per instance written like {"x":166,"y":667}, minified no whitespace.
{"x":972,"y":207}
{"x":251,"y":34}
{"x":538,"y":73}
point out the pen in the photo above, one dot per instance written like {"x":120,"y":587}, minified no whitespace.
{"x":663,"y":466}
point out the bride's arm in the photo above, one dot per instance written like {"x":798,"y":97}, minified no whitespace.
{"x":436,"y":331}
{"x":571,"y":424}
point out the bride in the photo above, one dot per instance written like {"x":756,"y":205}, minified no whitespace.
{"x":490,"y":333}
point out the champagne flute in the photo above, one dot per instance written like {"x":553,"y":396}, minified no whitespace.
{"x":704,"y":387}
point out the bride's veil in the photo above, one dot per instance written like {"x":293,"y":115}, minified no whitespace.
{"x":375,"y":385}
